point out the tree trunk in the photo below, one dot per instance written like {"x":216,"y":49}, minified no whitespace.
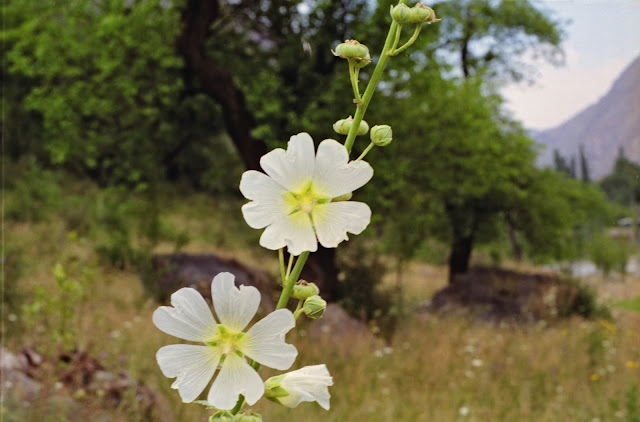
{"x":460,"y":255}
{"x":197,"y":17}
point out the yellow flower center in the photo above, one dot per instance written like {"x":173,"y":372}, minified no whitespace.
{"x":228,"y":341}
{"x":304,"y":200}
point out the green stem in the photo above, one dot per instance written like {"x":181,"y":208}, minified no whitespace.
{"x":298,"y":310}
{"x":353,"y":75}
{"x":406,"y":45}
{"x":397,"y":39}
{"x":283,"y":275}
{"x":361,"y":109}
{"x":366,"y":151}
{"x":291,"y":280}
{"x":288,"y":269}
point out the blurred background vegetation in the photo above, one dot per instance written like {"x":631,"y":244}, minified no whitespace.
{"x":127,"y":125}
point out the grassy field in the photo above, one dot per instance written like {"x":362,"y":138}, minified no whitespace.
{"x":437,"y":368}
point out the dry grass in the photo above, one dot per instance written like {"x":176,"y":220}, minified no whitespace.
{"x":435,"y":368}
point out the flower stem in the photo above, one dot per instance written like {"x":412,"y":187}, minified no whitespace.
{"x":406,"y":45}
{"x":288,"y":270}
{"x":366,"y":151}
{"x":353,"y":75}
{"x":361,"y":109}
{"x":291,"y":280}
{"x":298,"y":311}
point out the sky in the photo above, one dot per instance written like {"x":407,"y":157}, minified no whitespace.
{"x":602,"y":39}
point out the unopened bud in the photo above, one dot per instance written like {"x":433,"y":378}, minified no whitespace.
{"x":343,"y":126}
{"x":222,"y":416}
{"x":248,"y":417}
{"x":302,"y":290}
{"x":314,"y":307}
{"x":422,"y":14}
{"x":401,"y":13}
{"x":352,"y":50}
{"x":381,"y":135}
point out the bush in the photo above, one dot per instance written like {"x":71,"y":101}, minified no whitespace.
{"x":608,"y":254}
{"x":33,"y":192}
{"x":362,"y":294}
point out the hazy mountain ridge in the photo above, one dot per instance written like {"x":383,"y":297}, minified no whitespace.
{"x":603,"y":127}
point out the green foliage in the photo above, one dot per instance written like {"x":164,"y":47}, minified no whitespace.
{"x":33,"y":192}
{"x":104,"y":85}
{"x":608,"y":254}
{"x":631,"y":404}
{"x":55,"y":313}
{"x":623,"y":184}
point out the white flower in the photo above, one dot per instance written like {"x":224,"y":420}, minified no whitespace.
{"x":310,"y":383}
{"x":294,"y":200}
{"x":225,"y":344}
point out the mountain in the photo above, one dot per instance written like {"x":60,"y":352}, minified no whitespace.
{"x":604,"y":127}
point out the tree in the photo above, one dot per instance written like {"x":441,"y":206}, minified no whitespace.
{"x":490,"y":37}
{"x":584,"y":166}
{"x":622,"y":185}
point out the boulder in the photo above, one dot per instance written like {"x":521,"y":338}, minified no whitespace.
{"x":498,"y":294}
{"x":173,"y":271}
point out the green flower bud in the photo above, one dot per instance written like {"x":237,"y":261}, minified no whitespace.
{"x":343,"y":126}
{"x":314,"y":307}
{"x":248,"y":417}
{"x":353,"y":51}
{"x":401,"y":13}
{"x":421,"y":13}
{"x":381,"y":135}
{"x":222,"y":416}
{"x":303,"y":290}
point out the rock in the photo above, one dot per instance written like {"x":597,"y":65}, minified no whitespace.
{"x":76,"y":387}
{"x":173,"y":271}
{"x":498,"y":294}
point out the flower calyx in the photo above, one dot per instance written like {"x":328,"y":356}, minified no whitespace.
{"x":354,"y":51}
{"x":343,"y":126}
{"x":303,"y":290}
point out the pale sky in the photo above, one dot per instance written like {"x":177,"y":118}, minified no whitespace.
{"x":602,"y":40}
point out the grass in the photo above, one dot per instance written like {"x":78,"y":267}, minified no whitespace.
{"x":632,"y":304}
{"x":436,"y":368}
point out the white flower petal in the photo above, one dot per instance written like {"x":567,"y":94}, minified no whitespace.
{"x":234,"y":306}
{"x":236,"y":377}
{"x":310,"y":383}
{"x":333,"y":175}
{"x":192,"y":365}
{"x":332,"y":221}
{"x":294,"y":231}
{"x":265,"y":343}
{"x":292,"y":168}
{"x":190,"y":317}
{"x":268,"y":196}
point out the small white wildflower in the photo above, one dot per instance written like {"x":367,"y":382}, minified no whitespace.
{"x":476,"y":363}
{"x":293,"y":201}
{"x":225,"y":344}
{"x":463,"y":411}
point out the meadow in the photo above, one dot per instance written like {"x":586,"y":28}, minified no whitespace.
{"x":435,"y":368}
